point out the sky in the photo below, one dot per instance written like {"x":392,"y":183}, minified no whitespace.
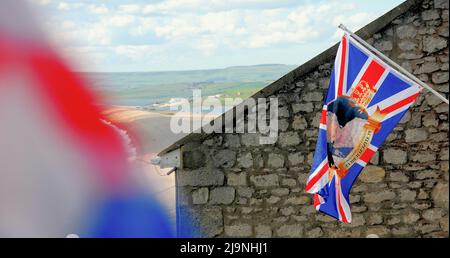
{"x":155,"y":35}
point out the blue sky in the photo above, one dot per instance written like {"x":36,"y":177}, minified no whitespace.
{"x":151,"y":35}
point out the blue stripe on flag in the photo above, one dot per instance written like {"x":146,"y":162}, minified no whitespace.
{"x":324,"y":193}
{"x":330,"y":205}
{"x":356,"y":60}
{"x":331,"y":86}
{"x":391,"y":85}
{"x":349,"y":179}
{"x":321,"y":150}
{"x":386,"y":129}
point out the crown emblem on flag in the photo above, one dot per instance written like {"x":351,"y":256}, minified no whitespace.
{"x":362,"y":93}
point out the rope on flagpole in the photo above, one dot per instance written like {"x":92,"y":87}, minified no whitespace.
{"x":387,"y":59}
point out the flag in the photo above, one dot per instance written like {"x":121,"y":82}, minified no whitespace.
{"x":366,"y":99}
{"x":64,"y":167}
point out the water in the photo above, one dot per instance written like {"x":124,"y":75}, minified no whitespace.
{"x":143,"y":88}
{"x":150,"y":89}
{"x":129,"y":102}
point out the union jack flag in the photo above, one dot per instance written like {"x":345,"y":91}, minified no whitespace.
{"x":366,"y":99}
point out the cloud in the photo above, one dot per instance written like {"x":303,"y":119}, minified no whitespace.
{"x":196,"y":6}
{"x":353,"y":22}
{"x":67,"y":32}
{"x":118,"y":20}
{"x":91,"y":8}
{"x":98,"y":9}
{"x":99,"y":32}
{"x":137,"y":52}
{"x":68,"y":25}
{"x":65,"y":6}
{"x":253,"y":28}
{"x":189,"y":26}
{"x":170,"y":29}
{"x":130,"y":8}
{"x":41,"y":2}
{"x":143,"y":26}
{"x":232,"y":24}
{"x":84,"y":58}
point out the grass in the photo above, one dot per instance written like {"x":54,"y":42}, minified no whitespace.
{"x":159,"y":87}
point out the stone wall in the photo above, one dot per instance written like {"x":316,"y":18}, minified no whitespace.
{"x":233,"y":187}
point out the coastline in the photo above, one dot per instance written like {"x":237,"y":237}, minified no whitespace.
{"x":146,"y":129}
{"x":150,"y":133}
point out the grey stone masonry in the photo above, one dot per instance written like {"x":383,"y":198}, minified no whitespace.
{"x":235,"y":187}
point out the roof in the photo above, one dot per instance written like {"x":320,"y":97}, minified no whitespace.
{"x":365,"y":33}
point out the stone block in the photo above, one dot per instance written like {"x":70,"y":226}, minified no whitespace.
{"x":378,"y":197}
{"x":265,"y":180}
{"x":237,"y":179}
{"x":200,"y":177}
{"x":275,"y":160}
{"x":295,"y":230}
{"x":224,"y":158}
{"x":395,"y":156}
{"x":372,"y":174}
{"x":200,"y":196}
{"x":222,"y":195}
{"x":289,"y":139}
{"x":238,"y":230}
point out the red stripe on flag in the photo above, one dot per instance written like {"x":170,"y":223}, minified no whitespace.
{"x":341,"y":210}
{"x":342,"y":68}
{"x":372,"y":74}
{"x":316,"y":178}
{"x":367,"y":155}
{"x":316,"y":200}
{"x":75,"y":110}
{"x":323,"y":118}
{"x":400,"y":104}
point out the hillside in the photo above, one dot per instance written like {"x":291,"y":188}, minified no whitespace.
{"x":155,"y":87}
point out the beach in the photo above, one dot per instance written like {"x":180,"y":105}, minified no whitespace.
{"x":150,"y":133}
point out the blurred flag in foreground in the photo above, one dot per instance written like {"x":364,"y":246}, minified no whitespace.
{"x":366,"y":99}
{"x":63,"y":167}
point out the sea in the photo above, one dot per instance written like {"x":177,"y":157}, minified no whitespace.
{"x":114,"y":88}
{"x":152,"y":90}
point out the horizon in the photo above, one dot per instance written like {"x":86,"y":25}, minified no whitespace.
{"x":193,"y":70}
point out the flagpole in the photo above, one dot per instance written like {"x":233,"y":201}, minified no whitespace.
{"x":387,"y":59}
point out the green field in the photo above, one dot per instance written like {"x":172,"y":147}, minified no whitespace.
{"x":159,"y":87}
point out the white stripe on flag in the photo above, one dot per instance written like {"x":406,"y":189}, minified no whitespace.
{"x":397,"y":111}
{"x":345,"y":207}
{"x":361,"y":163}
{"x":344,"y":78}
{"x":322,"y":181}
{"x":337,"y":69}
{"x":317,"y":169}
{"x":341,"y":202}
{"x":372,"y":147}
{"x":321,"y":200}
{"x":393,"y":99}
{"x":360,"y":74}
{"x":382,"y":78}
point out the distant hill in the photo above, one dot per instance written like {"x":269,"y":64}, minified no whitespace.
{"x":154,"y":87}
